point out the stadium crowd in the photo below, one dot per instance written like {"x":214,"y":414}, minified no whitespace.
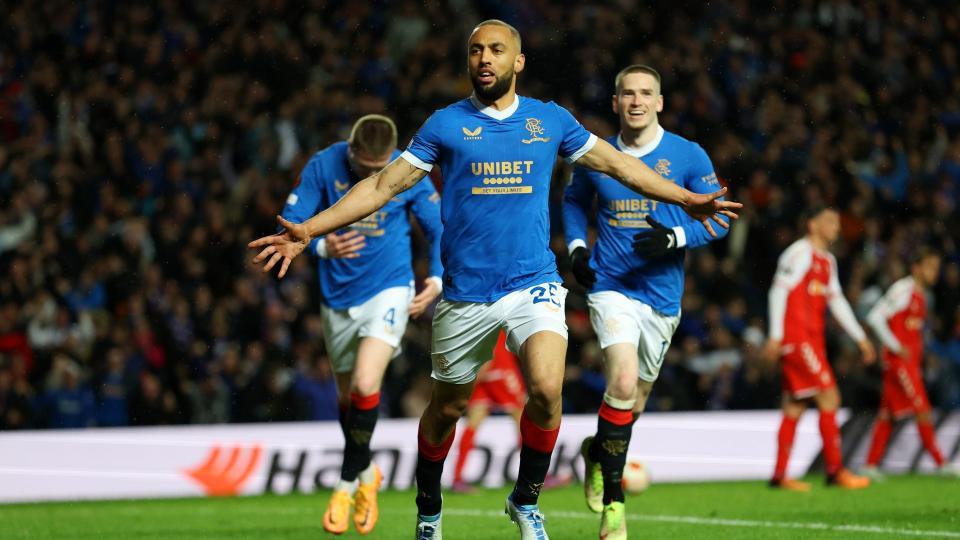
{"x":142,"y":147}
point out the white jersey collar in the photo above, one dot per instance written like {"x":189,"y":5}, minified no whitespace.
{"x":494,"y":113}
{"x":643,"y":150}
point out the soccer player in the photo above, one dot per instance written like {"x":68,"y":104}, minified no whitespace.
{"x":366,"y":281}
{"x":805,"y":284}
{"x":898,"y":320}
{"x":635,"y":278}
{"x":497,"y":151}
{"x":499,"y":386}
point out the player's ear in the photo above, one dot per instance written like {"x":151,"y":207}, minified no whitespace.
{"x":519,"y":63}
{"x":616,"y":104}
{"x":660,"y":103}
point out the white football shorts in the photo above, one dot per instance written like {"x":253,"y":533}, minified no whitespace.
{"x":465,"y":333}
{"x":619,"y":319}
{"x":384,"y":316}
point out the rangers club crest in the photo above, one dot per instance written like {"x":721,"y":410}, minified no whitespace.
{"x":535,"y":127}
{"x":663,"y":167}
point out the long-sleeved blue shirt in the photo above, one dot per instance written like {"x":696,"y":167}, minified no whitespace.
{"x":622,"y":214}
{"x":385,"y":260}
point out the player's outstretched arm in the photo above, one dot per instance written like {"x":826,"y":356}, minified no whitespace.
{"x":634,"y":174}
{"x":365,"y":198}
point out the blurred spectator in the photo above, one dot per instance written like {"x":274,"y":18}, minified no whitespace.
{"x":209,"y":400}
{"x":68,"y":402}
{"x":112,"y":391}
{"x":316,"y":386}
{"x":16,"y":411}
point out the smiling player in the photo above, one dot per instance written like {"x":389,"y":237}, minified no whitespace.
{"x":635,"y":278}
{"x":497,"y":151}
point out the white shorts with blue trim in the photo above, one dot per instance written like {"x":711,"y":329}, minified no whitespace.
{"x":619,"y":319}
{"x":465,"y":333}
{"x":383,"y":316}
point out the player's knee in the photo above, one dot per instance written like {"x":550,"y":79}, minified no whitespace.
{"x":829,"y":400}
{"x":623,"y":387}
{"x":546,"y":394}
{"x":451,"y":409}
{"x":366,"y":385}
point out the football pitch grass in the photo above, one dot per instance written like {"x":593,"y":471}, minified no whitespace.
{"x":901,"y":507}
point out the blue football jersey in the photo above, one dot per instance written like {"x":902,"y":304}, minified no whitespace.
{"x":497,"y":167}
{"x":385,"y":260}
{"x":622,"y":214}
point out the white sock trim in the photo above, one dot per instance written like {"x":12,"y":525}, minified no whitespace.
{"x":622,"y":404}
{"x":368,"y":475}
{"x":349,"y":487}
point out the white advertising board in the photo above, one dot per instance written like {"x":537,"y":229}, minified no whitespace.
{"x":282,"y":458}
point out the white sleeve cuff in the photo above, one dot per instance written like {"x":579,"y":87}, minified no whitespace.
{"x":436,"y":281}
{"x":322,"y":248}
{"x":681,"y":236}
{"x":416,"y":162}
{"x":583,"y":149}
{"x":574,"y":244}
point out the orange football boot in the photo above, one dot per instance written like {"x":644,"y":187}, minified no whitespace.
{"x":789,"y":484}
{"x":845,"y":479}
{"x":336,"y":519}
{"x":365,"y":510}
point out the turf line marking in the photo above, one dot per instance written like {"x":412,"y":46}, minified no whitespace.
{"x":721,"y":522}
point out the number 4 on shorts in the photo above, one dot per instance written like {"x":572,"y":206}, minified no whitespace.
{"x":390,"y":316}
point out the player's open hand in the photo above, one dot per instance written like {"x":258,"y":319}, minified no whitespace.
{"x":346,"y":245}
{"x":705,"y":207}
{"x":868,"y":351}
{"x":424,"y":298}
{"x":282,"y":247}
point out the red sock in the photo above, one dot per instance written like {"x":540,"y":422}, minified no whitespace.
{"x":830,"y":433}
{"x":434,"y":452}
{"x":881,"y":434}
{"x":466,"y":444}
{"x":535,"y":455}
{"x":537,"y":438}
{"x":930,"y":441}
{"x":788,"y":428}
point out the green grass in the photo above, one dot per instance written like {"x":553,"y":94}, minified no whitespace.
{"x":903,"y":507}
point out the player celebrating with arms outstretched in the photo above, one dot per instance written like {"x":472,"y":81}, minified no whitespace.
{"x":898,"y":320}
{"x":635,"y":278}
{"x":497,"y":152}
{"x":366,"y":282}
{"x":805,"y":284}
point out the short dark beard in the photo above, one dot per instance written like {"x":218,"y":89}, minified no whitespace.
{"x":495,"y":91}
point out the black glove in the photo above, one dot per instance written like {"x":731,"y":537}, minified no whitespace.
{"x":656,"y":242}
{"x":580,"y":264}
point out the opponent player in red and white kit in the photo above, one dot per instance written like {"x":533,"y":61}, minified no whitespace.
{"x":499,"y":387}
{"x":898,"y":320}
{"x":804,"y":286}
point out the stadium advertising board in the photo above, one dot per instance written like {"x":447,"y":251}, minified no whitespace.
{"x":300,"y":457}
